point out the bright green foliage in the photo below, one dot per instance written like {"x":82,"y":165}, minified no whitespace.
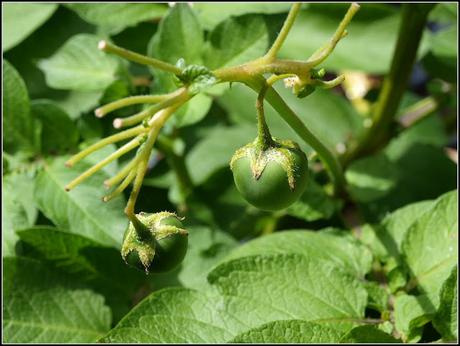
{"x":289,"y":330}
{"x":329,"y":245}
{"x":429,"y":246}
{"x":385,"y":239}
{"x":58,"y":132}
{"x":18,"y":122}
{"x":247,"y":293}
{"x":368,"y":334}
{"x":372,"y":260}
{"x":79,"y":65}
{"x":411,"y":313}
{"x":237,"y":40}
{"x":19,"y":211}
{"x":445,"y":319}
{"x":20,"y":20}
{"x":78,"y":211}
{"x":113,"y":18}
{"x":211,"y":15}
{"x":42,"y":305}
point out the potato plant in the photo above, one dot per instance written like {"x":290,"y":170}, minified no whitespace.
{"x":229,"y":172}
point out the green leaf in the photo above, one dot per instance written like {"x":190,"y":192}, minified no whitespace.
{"x":212,"y":14}
{"x":445,"y":320}
{"x":368,"y":334}
{"x":175,"y":315}
{"x":59,"y":133}
{"x":81,"y":210}
{"x":428,"y":131}
{"x":410,"y":314}
{"x":80,"y":65}
{"x":292,"y":331}
{"x":336,"y":247}
{"x":429,"y":246}
{"x":444,"y":13}
{"x":442,"y":57}
{"x":193,"y":111}
{"x":418,"y":157}
{"x":19,"y":210}
{"x":378,"y":296}
{"x":19,"y":130}
{"x":179,"y":36}
{"x":236,"y":40}
{"x":20,"y":20}
{"x":385,"y":239}
{"x":113,"y":18}
{"x":259,"y":289}
{"x":41,"y":44}
{"x":43,"y":306}
{"x":371,"y":178}
{"x":314,"y":204}
{"x":75,"y":103}
{"x":206,"y":247}
{"x":112,"y":168}
{"x":101,"y":267}
{"x":215,"y":151}
{"x":397,"y":278}
{"x":217,"y":202}
{"x":246,"y":294}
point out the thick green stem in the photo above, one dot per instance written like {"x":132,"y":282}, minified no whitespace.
{"x":329,"y":159}
{"x":264,"y":137}
{"x":413,"y":21}
{"x":160,"y":119}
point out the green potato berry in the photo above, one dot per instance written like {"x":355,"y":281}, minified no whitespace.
{"x":159,"y":247}
{"x":273,"y":178}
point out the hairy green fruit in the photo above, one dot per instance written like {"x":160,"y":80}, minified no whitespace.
{"x":159,"y":247}
{"x":272,"y":178}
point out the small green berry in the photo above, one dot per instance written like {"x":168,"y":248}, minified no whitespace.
{"x":160,"y":248}
{"x":270,"y":179}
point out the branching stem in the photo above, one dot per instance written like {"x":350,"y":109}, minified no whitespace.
{"x":271,"y":54}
